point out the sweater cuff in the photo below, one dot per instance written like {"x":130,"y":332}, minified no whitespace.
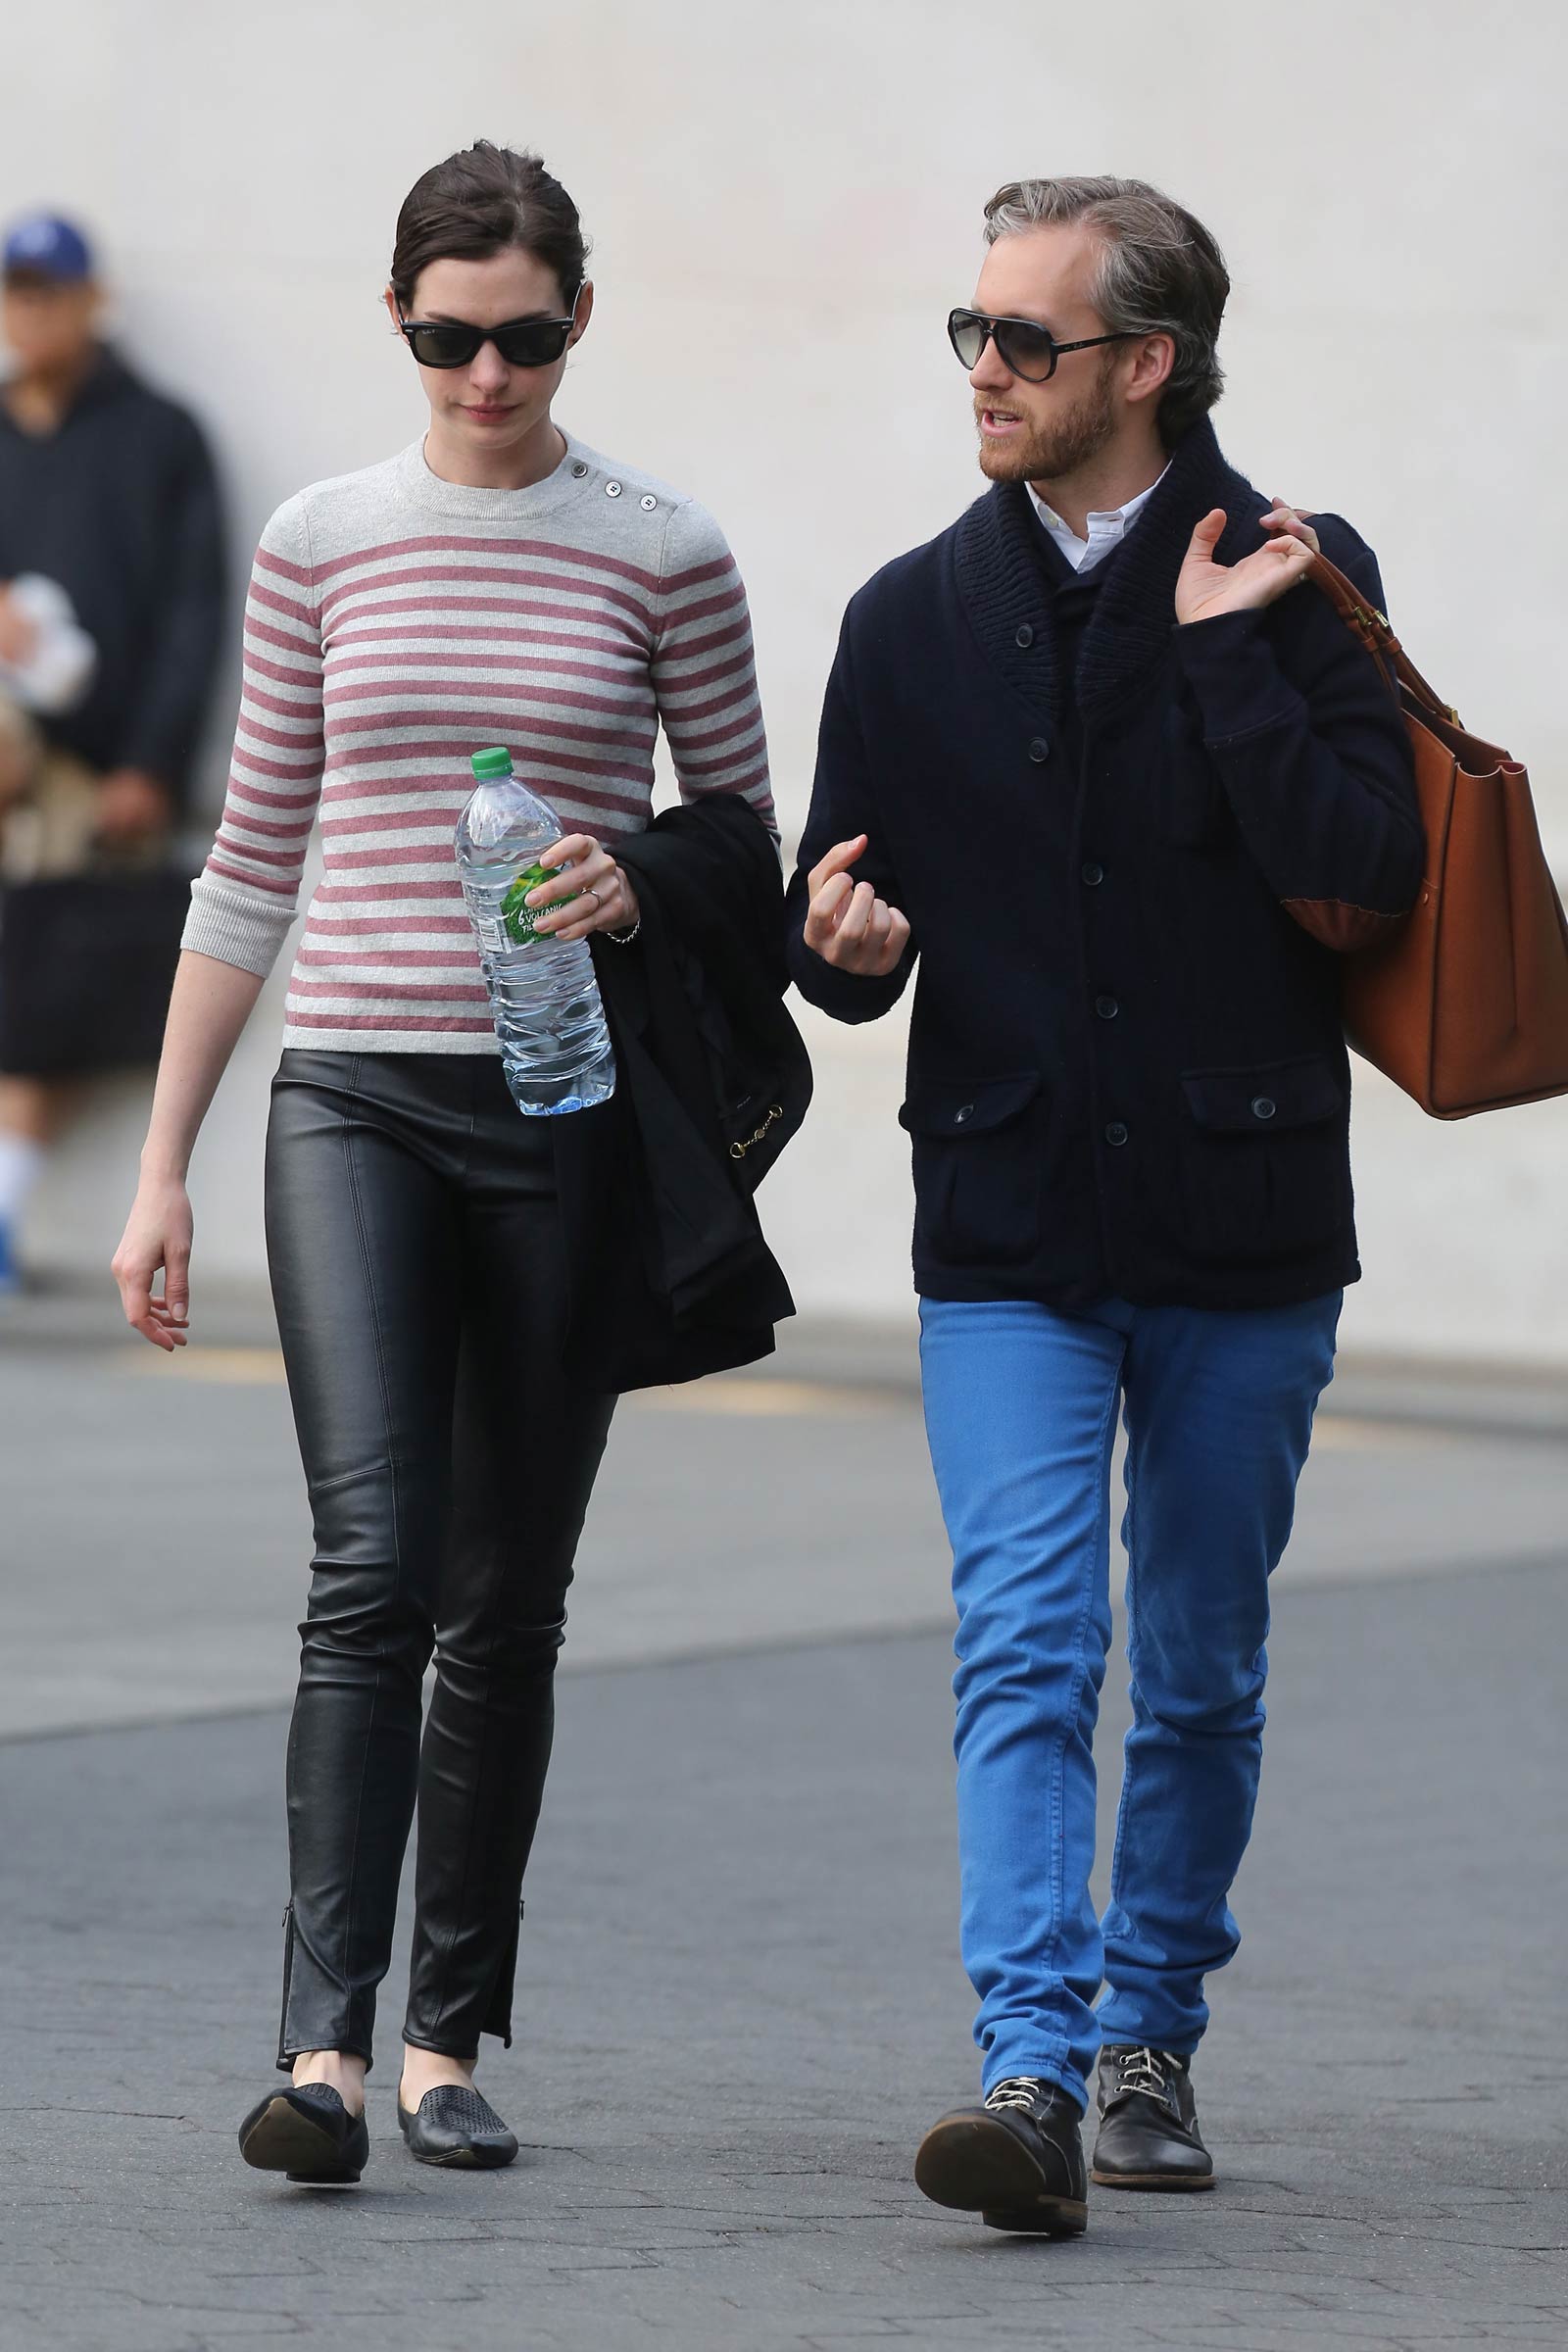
{"x":849,"y":996}
{"x":235,"y":930}
{"x":1230,"y":667}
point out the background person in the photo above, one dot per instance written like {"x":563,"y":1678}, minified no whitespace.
{"x":495,"y":582}
{"x":107,"y":497}
{"x":1122,"y":795}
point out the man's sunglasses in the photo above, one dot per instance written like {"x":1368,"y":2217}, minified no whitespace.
{"x":522,"y":342}
{"x":1022,"y":347}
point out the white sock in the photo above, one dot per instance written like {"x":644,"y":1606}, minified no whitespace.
{"x":21,"y":1165}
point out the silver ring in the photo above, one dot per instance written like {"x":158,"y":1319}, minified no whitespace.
{"x":594,"y":895}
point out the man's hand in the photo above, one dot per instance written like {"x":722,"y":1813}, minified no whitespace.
{"x":1283,"y":517}
{"x":847,"y":924}
{"x":132,"y":808}
{"x":18,"y":634}
{"x":1204,"y":589}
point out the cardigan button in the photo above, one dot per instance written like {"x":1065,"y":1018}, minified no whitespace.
{"x":578,"y":471}
{"x":1039,"y":751}
{"x":1115,"y":1135}
{"x":1093,"y":874}
{"x":1107,"y":1008}
{"x":1263,"y":1106}
{"x":1025,"y":637}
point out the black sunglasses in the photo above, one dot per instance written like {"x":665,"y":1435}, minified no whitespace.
{"x":522,"y":342}
{"x":1023,"y":347}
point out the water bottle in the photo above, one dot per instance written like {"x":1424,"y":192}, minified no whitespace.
{"x":544,"y":998}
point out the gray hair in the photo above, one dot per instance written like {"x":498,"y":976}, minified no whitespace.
{"x":1159,"y":273}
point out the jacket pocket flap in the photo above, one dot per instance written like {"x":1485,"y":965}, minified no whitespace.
{"x":1274,"y":1095}
{"x":951,"y":1107}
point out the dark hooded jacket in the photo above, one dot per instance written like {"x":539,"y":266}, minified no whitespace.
{"x":121,"y":507}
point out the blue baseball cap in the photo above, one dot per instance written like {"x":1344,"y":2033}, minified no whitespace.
{"x":49,"y":246}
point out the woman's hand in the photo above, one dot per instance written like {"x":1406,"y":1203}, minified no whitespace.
{"x":847,"y":924}
{"x":595,"y":878}
{"x":157,"y":1234}
{"x":1205,"y":589}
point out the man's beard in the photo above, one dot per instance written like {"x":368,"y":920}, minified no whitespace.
{"x":1048,"y":453}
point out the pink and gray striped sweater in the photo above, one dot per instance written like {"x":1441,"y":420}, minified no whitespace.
{"x":395,"y":624}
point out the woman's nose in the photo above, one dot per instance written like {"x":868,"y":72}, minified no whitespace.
{"x":489,"y":371}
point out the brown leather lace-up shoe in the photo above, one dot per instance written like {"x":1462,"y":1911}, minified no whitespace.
{"x":1148,"y":2122}
{"x":1018,"y":2160}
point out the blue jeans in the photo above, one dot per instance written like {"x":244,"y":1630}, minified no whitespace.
{"x":1020,"y":1406}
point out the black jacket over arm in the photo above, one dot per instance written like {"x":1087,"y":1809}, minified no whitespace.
{"x":670,"y":1275}
{"x":1127,"y":1070}
{"x":120,"y":507}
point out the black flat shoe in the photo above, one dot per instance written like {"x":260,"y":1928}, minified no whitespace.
{"x":1149,"y":2137}
{"x":307,"y":2133}
{"x":1018,"y":2161}
{"x":457,"y":2126}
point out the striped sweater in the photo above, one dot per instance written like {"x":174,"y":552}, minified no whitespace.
{"x":395,"y":624}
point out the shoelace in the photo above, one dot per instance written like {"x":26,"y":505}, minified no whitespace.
{"x":1143,"y":2069}
{"x":1018,"y":2090}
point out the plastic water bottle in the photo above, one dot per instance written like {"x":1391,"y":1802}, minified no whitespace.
{"x":544,"y":998}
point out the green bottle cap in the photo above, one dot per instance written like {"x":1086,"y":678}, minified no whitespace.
{"x":497,"y":762}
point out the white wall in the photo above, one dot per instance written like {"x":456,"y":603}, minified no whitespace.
{"x":785,"y":204}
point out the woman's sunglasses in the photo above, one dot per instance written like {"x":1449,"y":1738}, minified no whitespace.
{"x":1022,"y":347}
{"x":522,"y":342}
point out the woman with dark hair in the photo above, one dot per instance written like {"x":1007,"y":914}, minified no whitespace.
{"x":496,"y":582}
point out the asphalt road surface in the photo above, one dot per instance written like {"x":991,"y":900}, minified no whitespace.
{"x":739,"y":1997}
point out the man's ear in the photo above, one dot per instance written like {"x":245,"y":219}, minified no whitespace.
{"x":392,"y":311}
{"x":584,"y":312}
{"x":1151,"y":367}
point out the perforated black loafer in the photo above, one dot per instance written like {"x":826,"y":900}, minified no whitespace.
{"x":457,"y":2126}
{"x":307,"y":2133}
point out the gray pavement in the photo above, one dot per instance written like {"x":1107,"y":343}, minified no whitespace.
{"x":155,"y":1529}
{"x":739,"y":2000}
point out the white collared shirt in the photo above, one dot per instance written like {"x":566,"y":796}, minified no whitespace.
{"x":1105,"y":531}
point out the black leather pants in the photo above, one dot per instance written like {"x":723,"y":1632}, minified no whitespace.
{"x":413,"y":1233}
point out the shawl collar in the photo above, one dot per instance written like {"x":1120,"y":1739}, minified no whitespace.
{"x":1129,"y":631}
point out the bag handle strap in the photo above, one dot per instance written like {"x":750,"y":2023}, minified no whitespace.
{"x":1376,"y":633}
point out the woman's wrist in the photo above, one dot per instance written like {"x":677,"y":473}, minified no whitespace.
{"x":162,"y":1165}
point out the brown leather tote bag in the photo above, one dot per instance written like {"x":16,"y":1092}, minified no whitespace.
{"x":1465,"y":1004}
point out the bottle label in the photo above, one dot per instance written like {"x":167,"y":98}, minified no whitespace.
{"x":517,"y":920}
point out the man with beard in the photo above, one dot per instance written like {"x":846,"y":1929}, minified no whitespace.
{"x":1125,"y":796}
